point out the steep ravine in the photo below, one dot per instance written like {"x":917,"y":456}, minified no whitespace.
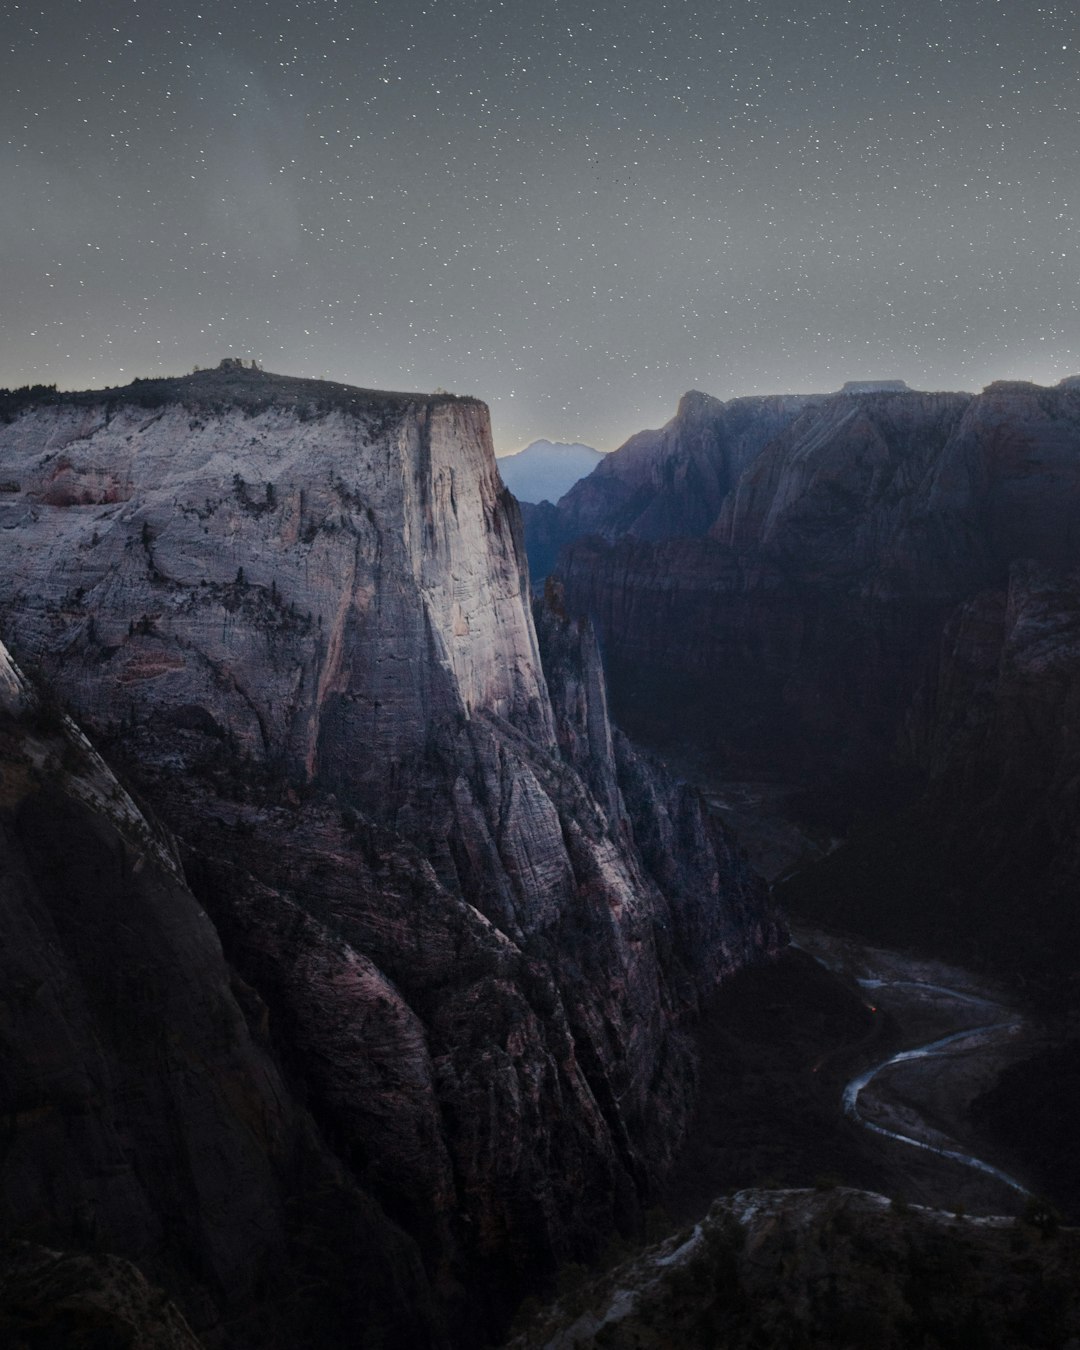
{"x":465,"y":922}
{"x":880,"y":621}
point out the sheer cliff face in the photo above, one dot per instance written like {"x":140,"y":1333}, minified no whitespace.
{"x":802,"y":620}
{"x":473,"y":919}
{"x":144,"y":1113}
{"x":882,"y":599}
{"x":281,"y":575}
{"x":667,"y":483}
{"x":987,"y":856}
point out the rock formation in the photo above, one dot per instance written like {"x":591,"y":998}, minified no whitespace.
{"x":55,"y":1298}
{"x":889,"y":569}
{"x":666,"y":483}
{"x":463,"y":920}
{"x":818,"y":1269}
{"x":144,"y":1114}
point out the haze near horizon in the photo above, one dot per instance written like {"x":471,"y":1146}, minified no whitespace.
{"x":575,"y":213}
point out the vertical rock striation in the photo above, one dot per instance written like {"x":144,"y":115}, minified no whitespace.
{"x":144,"y":1114}
{"x":469,"y":918}
{"x":882,"y":604}
{"x":663,"y":484}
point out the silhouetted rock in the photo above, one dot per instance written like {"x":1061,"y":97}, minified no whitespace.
{"x":810,"y":1270}
{"x":874,"y":387}
{"x":665,"y":483}
{"x":50,"y":1298}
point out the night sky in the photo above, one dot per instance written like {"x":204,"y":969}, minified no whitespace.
{"x":575,"y":211}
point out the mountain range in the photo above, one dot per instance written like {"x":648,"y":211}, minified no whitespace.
{"x":871,"y":598}
{"x":358,"y":972}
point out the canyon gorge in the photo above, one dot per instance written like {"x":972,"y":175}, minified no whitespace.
{"x":866,"y":600}
{"x":364,"y":966}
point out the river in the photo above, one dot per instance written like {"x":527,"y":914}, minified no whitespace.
{"x":955,"y":1034}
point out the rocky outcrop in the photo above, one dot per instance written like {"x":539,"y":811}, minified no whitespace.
{"x":49,"y":1297}
{"x":882,"y":601}
{"x":466,"y":919}
{"x":875,"y":387}
{"x":667,"y":483}
{"x":827,"y":1268}
{"x":144,"y":1115}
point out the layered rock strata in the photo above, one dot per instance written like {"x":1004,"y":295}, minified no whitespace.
{"x":882,"y":599}
{"x":663,"y":484}
{"x":466,"y":918}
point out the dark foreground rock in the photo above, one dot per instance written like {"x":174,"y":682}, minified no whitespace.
{"x":144,"y":1115}
{"x":818,"y":1270}
{"x":50,"y":1298}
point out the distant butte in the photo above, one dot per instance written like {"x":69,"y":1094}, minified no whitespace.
{"x":876,"y":387}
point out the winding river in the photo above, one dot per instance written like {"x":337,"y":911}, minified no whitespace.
{"x":933,"y":1048}
{"x":985,"y":1035}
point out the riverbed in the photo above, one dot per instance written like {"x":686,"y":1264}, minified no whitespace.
{"x":949,"y":1036}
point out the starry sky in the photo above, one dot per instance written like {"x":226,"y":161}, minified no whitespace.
{"x":576,"y":211}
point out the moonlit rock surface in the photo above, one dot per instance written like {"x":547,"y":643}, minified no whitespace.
{"x":259,"y":542}
{"x":14,"y":692}
{"x":473,"y":916}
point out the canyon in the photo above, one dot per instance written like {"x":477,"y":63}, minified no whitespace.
{"x":364,"y":970}
{"x":823,"y":1268}
{"x":862,"y":607}
{"x":350,"y":980}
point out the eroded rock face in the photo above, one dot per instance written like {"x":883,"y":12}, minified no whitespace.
{"x":817,"y":598}
{"x":144,"y":1114}
{"x":667,"y":483}
{"x":994,"y":872}
{"x":473,"y":919}
{"x":883,"y":599}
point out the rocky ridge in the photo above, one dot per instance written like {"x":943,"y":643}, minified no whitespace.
{"x":845,"y":621}
{"x":830,"y":1268}
{"x":665,"y":483}
{"x":465,"y":919}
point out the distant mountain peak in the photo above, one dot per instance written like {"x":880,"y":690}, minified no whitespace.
{"x":547,"y":470}
{"x":543,"y":446}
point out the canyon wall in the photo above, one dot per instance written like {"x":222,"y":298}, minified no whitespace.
{"x":662,"y":484}
{"x":880,"y":604}
{"x":466,"y":919}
